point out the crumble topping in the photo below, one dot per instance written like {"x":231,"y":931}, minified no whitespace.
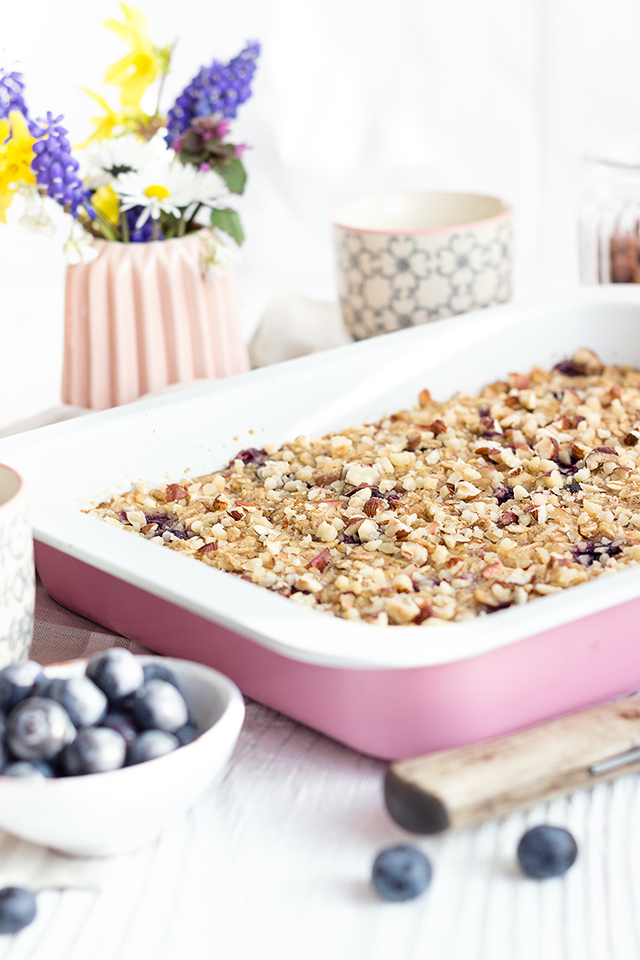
{"x":444,"y":512}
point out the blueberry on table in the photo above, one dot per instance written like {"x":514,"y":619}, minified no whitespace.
{"x":17,"y":909}
{"x":38,"y":729}
{"x":150,"y":745}
{"x":401,"y":872}
{"x":546,"y":851}
{"x":117,"y":672}
{"x":17,"y":681}
{"x":85,"y":703}
{"x":159,"y":706}
{"x":95,"y":750}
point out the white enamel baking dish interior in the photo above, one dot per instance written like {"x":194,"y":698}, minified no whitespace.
{"x":200,"y":427}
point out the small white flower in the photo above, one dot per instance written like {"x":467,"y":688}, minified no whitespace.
{"x":215,"y":255}
{"x":79,"y":247}
{"x":162,"y":187}
{"x":36,"y":216}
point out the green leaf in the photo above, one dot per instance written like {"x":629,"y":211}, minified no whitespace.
{"x":234,"y":175}
{"x":229,"y":221}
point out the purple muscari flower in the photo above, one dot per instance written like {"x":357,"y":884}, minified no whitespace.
{"x":55,"y":169}
{"x":143,"y":235}
{"x":11,"y":98}
{"x":11,"y":90}
{"x":220,"y":88}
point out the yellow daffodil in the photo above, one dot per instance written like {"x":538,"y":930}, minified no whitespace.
{"x":16,"y":154}
{"x":107,"y":203}
{"x":135,"y":72}
{"x":112,"y":123}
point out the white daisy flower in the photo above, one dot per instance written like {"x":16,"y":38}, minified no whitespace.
{"x":171,"y":188}
{"x":210,"y":187}
{"x":108,"y":158}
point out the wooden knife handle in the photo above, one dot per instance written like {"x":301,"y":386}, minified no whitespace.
{"x":465,"y":786}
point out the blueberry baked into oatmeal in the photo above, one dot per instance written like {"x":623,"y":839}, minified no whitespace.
{"x":444,"y":512}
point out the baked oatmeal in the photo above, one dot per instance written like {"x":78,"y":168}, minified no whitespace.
{"x":444,"y":512}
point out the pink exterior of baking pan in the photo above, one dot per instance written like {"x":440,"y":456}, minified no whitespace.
{"x":389,"y":691}
{"x":391,"y":714}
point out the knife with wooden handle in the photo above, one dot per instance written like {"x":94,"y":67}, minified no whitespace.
{"x":465,"y":786}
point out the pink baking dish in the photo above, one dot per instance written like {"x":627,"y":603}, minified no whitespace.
{"x":391,"y":692}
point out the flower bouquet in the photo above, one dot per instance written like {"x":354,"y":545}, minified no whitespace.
{"x":147,"y":202}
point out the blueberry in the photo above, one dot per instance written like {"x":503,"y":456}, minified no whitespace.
{"x":187,"y":734}
{"x":157,"y":671}
{"x":123,"y":724}
{"x":569,"y":368}
{"x":16,"y":683}
{"x":38,"y":729}
{"x":159,"y":706}
{"x":151,"y":744}
{"x":25,"y":768}
{"x":85,"y":703}
{"x":546,"y":851}
{"x":17,"y":909}
{"x":251,"y":457}
{"x":117,"y":672}
{"x":502,"y":494}
{"x":401,"y":872}
{"x":4,"y":757}
{"x":43,"y":685}
{"x":95,"y":750}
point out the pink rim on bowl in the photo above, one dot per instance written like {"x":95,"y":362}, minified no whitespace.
{"x":339,"y":220}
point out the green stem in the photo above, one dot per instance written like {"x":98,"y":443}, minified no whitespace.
{"x":155,"y":229}
{"x":108,"y":230}
{"x":193,"y":216}
{"x":89,"y":226}
{"x":162,"y":80}
{"x":125,"y":227}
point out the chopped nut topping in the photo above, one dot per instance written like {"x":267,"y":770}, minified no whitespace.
{"x":374,"y":505}
{"x":444,"y":512}
{"x":174,"y":492}
{"x":438,"y":426}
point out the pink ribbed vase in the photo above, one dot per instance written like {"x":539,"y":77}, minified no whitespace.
{"x":142,"y":316}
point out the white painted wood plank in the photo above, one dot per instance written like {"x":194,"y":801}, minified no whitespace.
{"x":275,"y":862}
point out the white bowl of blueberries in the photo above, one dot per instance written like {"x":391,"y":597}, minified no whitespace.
{"x":98,"y":756}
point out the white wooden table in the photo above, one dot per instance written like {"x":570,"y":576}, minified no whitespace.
{"x":275,"y":862}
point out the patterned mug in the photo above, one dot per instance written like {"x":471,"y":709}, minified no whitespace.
{"x":408,"y":258}
{"x":17,"y":574}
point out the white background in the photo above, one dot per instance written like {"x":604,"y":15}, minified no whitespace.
{"x":351,"y":97}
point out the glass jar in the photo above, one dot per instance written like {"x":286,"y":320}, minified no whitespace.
{"x":609,"y":219}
